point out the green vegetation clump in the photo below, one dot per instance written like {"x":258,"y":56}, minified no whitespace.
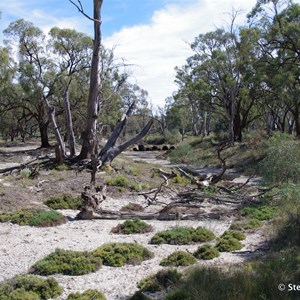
{"x":261,"y":213}
{"x":228,"y":234}
{"x":132,"y":227}
{"x":132,"y":207}
{"x":87,"y":295}
{"x":178,"y":258}
{"x":29,"y":287}
{"x":67,"y":262}
{"x":183,"y":236}
{"x":228,"y":245}
{"x":245,"y":224}
{"x":33,"y":217}
{"x":118,"y":180}
{"x":159,"y":281}
{"x":139,"y":295}
{"x":182,"y":153}
{"x":206,"y":252}
{"x":282,"y":163}
{"x":119,"y":254}
{"x":65,"y":201}
{"x":255,"y":280}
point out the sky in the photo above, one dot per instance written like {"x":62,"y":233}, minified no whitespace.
{"x":152,"y":36}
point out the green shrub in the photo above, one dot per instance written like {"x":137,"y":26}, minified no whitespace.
{"x":233,"y":234}
{"x":183,"y":236}
{"x":282,"y":163}
{"x":182,"y":153}
{"x":159,"y":281}
{"x":245,"y":224}
{"x":118,"y":181}
{"x":228,"y":244}
{"x":119,"y":254}
{"x":65,"y":201}
{"x":67,"y":262}
{"x":132,"y":226}
{"x":260,"y":213}
{"x":33,"y":217}
{"x":257,"y":280}
{"x":181,"y":180}
{"x":132,"y":207}
{"x":87,"y":295}
{"x":139,"y":295}
{"x":206,"y":252}
{"x":29,"y":287}
{"x":178,"y":258}
{"x":25,"y":173}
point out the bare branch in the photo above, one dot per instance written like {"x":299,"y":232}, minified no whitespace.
{"x":81,"y":10}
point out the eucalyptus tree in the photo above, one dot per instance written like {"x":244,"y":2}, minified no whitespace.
{"x":279,"y":23}
{"x":73,"y":51}
{"x":33,"y":64}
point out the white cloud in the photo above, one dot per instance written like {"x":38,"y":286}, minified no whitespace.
{"x":156,"y":48}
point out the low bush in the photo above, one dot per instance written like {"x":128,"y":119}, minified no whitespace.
{"x":119,"y":254}
{"x":87,"y":295}
{"x":228,"y":234}
{"x":244,"y":225}
{"x":259,"y":212}
{"x":65,"y":201}
{"x":178,"y":258}
{"x":282,"y":163}
{"x":228,"y":244}
{"x":183,"y":236}
{"x":29,"y":287}
{"x":132,"y":227}
{"x":118,"y":181}
{"x":33,"y":217}
{"x":206,"y":252}
{"x":182,"y":153}
{"x":132,"y":207}
{"x":139,"y":295}
{"x":159,"y":281}
{"x":67,"y":262}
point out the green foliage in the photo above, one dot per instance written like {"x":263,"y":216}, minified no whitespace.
{"x":228,"y":244}
{"x":178,"y":258}
{"x":282,"y":163}
{"x":182,"y":236}
{"x":228,"y":234}
{"x":29,"y":287}
{"x":245,"y":224}
{"x":258,"y":279}
{"x":139,"y":295}
{"x":182,"y":153}
{"x":61,"y":167}
{"x":132,"y":207}
{"x":119,"y":254}
{"x":181,"y":180}
{"x":206,"y":252}
{"x":132,"y":226}
{"x":260,"y":213}
{"x":118,"y":181}
{"x":87,"y":295}
{"x":32,"y":217}
{"x":159,"y":281}
{"x":67,"y":262}
{"x":65,"y":201}
{"x":25,"y":173}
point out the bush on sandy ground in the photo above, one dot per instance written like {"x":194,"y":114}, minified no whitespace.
{"x":178,"y":258}
{"x":87,"y":295}
{"x":34,"y":217}
{"x":132,"y":227}
{"x":132,"y":207}
{"x":119,"y":254}
{"x":159,"y":281}
{"x":206,"y":252}
{"x":183,"y":236}
{"x":29,"y":287}
{"x":67,"y":262}
{"x":233,"y":234}
{"x":64,"y":201}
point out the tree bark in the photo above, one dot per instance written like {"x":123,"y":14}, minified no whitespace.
{"x":89,"y":135}
{"x":70,"y":131}
{"x":43,"y":128}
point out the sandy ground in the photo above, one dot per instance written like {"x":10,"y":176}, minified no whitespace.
{"x":22,"y":246}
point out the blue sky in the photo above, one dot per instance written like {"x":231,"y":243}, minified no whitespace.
{"x":151,"y":35}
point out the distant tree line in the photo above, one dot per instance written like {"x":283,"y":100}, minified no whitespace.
{"x":242,"y":78}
